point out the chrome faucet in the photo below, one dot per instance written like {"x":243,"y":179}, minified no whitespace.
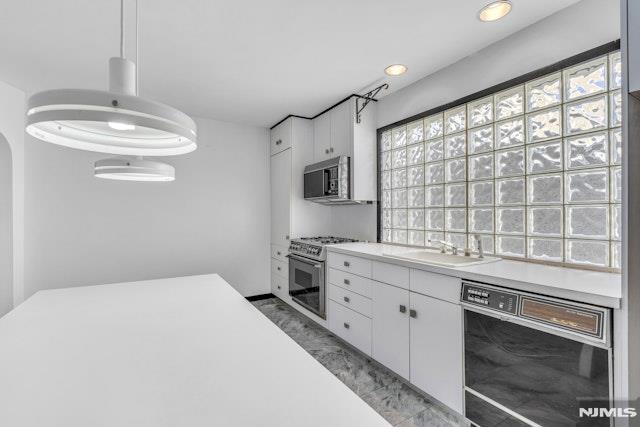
{"x":445,"y":245}
{"x":479,"y":245}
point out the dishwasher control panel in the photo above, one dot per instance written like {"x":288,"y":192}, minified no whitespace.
{"x":491,"y":298}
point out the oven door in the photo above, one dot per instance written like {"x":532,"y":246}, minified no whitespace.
{"x":520,"y":374}
{"x":306,"y":283}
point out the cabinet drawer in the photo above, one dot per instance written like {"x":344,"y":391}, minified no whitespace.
{"x":279,"y":252}
{"x":281,"y":137}
{"x":351,"y":264}
{"x":280,"y":268}
{"x":350,"y":299}
{"x":279,"y":286}
{"x":352,"y":327}
{"x":395,"y":275}
{"x":358,"y":284}
{"x":435,"y":285}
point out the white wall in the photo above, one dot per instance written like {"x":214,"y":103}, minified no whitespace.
{"x":80,"y":230}
{"x":583,"y":26}
{"x":6,"y":200}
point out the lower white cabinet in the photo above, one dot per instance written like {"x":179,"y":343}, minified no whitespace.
{"x":390,"y":327}
{"x":351,"y":326}
{"x":436,"y":349}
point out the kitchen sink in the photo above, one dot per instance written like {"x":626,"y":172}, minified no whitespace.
{"x":438,"y":258}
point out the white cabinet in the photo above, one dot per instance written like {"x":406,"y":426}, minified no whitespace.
{"x":351,"y":326}
{"x":322,"y":138}
{"x":280,"y":197}
{"x":436,"y":349}
{"x":281,"y":137}
{"x":341,"y":130}
{"x":390,"y":327}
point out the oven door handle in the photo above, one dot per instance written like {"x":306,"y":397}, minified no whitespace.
{"x":304,"y":260}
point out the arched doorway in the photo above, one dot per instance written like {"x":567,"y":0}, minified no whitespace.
{"x":6,"y":259}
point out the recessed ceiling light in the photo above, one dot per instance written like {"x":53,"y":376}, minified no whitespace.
{"x":395,"y":69}
{"x":495,"y":10}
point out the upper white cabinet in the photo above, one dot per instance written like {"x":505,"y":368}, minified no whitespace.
{"x":281,"y":137}
{"x":322,"y":138}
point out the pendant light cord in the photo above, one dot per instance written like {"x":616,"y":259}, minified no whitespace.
{"x":121,"y":28}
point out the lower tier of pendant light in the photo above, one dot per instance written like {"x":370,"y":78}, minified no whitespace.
{"x":133,"y":169}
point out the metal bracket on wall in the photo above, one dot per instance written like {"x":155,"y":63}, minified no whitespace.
{"x":366,"y":98}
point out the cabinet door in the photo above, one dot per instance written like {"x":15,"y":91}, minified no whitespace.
{"x":436,"y":349}
{"x":321,"y":137}
{"x":390,"y":327}
{"x":341,"y":130}
{"x":280,"y":197}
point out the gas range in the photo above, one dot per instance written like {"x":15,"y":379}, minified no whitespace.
{"x":314,"y":247}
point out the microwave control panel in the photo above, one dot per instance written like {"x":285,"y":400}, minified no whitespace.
{"x":490,"y":298}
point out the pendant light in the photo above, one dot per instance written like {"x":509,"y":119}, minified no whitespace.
{"x":133,"y":169}
{"x":117,"y":121}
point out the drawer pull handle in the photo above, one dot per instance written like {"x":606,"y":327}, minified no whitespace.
{"x":413,"y":313}
{"x":347,"y":282}
{"x":346,"y":299}
{"x":279,"y":268}
{"x":347,"y":264}
{"x":331,"y":150}
{"x":326,"y":151}
{"x":279,"y":287}
{"x":346,"y":325}
{"x":279,"y":253}
{"x":403,"y":308}
{"x":278,"y":142}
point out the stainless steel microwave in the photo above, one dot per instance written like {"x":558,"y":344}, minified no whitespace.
{"x":328,"y":182}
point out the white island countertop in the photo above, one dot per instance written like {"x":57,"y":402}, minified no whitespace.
{"x":187,"y":351}
{"x":592,"y":287}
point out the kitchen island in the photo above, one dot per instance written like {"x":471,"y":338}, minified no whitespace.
{"x":186,"y":351}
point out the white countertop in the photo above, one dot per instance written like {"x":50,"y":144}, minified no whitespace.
{"x":187,"y":351}
{"x":592,"y":287}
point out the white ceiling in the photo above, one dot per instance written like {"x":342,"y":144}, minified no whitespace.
{"x":249,"y":61}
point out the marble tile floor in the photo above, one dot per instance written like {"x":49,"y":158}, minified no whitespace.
{"x":380,"y":388}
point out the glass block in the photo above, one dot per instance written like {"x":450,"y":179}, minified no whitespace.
{"x":586,"y":151}
{"x":487,"y":244}
{"x":434,"y":195}
{"x":416,"y":219}
{"x":430,"y":237}
{"x":615,"y":107}
{"x":510,"y":246}
{"x":386,"y":160}
{"x":510,"y":220}
{"x":434,"y":219}
{"x":544,"y":125}
{"x":455,"y":170}
{"x":415,"y":176}
{"x":544,"y":189}
{"x":544,"y":157}
{"x":455,"y":120}
{"x":456,"y":239}
{"x":545,"y":221}
{"x":544,"y":92}
{"x":415,"y":132}
{"x":481,"y":167}
{"x":615,"y":142}
{"x":386,"y":199}
{"x":434,"y":151}
{"x":616,"y":184}
{"x":616,"y":222}
{"x":481,"y":139}
{"x":456,"y":194}
{"x":509,"y":103}
{"x":399,"y":198}
{"x":481,"y":220}
{"x":585,"y":79}
{"x":588,"y":222}
{"x":545,"y":249}
{"x":386,"y":180}
{"x":481,"y":193}
{"x":385,"y":141}
{"x":399,"y":218}
{"x":586,"y":115}
{"x":386,"y":236}
{"x":455,"y":145}
{"x":399,"y":236}
{"x":433,"y":126}
{"x":399,"y":136}
{"x":415,"y":154}
{"x":399,"y":178}
{"x":510,"y":162}
{"x":587,"y":252}
{"x":510,"y":191}
{"x":510,"y":133}
{"x":587,"y":186}
{"x":480,"y":112}
{"x":415,"y":197}
{"x":415,"y":238}
{"x":434,"y":173}
{"x":615,"y":70}
{"x":399,"y":158}
{"x":386,"y":218}
{"x":616,"y":254}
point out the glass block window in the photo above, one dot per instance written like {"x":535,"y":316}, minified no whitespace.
{"x":533,"y":169}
